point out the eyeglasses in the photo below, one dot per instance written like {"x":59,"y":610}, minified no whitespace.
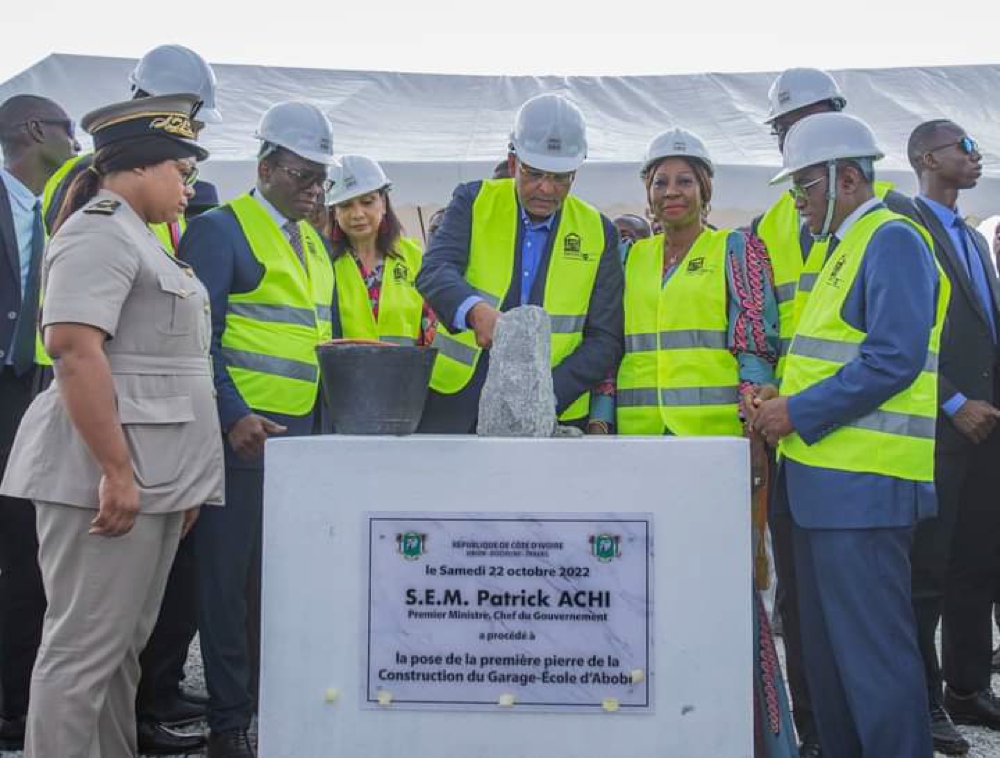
{"x":800,"y":192}
{"x":967,"y":145}
{"x":189,"y":174}
{"x":534,"y":175}
{"x":307,"y":179}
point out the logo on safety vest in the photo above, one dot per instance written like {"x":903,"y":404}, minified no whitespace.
{"x":696,"y":265}
{"x":833,"y":279}
{"x":605,"y":547}
{"x":411,"y":545}
{"x":400,"y":273}
{"x":573,"y":248}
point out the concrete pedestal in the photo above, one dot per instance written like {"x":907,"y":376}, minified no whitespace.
{"x":317,"y":492}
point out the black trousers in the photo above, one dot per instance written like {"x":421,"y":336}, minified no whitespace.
{"x":228,"y":543}
{"x":958,"y":581}
{"x":787,"y":602}
{"x":22,"y":596}
{"x":162,"y":661}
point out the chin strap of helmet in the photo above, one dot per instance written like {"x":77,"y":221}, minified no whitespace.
{"x":831,"y":201}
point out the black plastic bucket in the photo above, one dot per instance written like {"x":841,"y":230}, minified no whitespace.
{"x":375,"y":389}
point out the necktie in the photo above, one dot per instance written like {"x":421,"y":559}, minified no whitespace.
{"x":974,"y":267}
{"x":23,"y":354}
{"x":295,"y":239}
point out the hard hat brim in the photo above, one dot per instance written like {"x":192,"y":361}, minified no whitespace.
{"x":548,"y":163}
{"x":783,"y":176}
{"x":336,"y":198}
{"x":309,"y":155}
{"x":208,"y":115}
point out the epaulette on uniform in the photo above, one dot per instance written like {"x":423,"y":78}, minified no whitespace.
{"x":103,"y":207}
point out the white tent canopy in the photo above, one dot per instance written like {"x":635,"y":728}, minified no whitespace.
{"x":432,"y":131}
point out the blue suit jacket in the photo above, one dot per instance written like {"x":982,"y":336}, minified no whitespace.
{"x":442,"y":283}
{"x":893,"y":300}
{"x":215,"y":246}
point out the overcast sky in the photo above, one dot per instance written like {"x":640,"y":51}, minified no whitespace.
{"x":514,"y":36}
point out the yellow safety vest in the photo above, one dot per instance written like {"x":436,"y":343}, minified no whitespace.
{"x":678,"y":373}
{"x":269,"y":343}
{"x":400,"y":306}
{"x":780,"y":229}
{"x":162,"y":232}
{"x":896,"y":439}
{"x":576,"y":254}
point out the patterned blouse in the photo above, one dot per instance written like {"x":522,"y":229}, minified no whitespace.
{"x":753,"y":321}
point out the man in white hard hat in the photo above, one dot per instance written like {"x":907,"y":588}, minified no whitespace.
{"x":270,"y":281}
{"x":505,"y":243}
{"x":164,"y":70}
{"x":795,"y":260}
{"x":854,"y":426}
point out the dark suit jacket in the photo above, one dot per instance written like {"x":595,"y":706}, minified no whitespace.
{"x":442,"y":283}
{"x":968,"y":356}
{"x":10,"y":275}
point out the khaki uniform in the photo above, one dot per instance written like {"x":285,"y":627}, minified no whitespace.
{"x":104,"y":268}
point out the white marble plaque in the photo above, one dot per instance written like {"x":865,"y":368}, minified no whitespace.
{"x":480,"y":611}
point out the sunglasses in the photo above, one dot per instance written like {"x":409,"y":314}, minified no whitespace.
{"x":68,"y":125}
{"x":967,"y":145}
{"x":800,"y":192}
{"x":306,"y":179}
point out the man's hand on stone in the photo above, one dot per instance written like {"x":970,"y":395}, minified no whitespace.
{"x":483,"y":321}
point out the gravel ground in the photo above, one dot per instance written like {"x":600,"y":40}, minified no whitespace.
{"x":985,"y":743}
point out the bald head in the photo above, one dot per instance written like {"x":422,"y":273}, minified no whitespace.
{"x":927,"y":137}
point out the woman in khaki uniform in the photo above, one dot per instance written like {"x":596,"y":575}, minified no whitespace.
{"x":122,"y":449}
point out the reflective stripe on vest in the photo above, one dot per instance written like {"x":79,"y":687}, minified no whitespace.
{"x":269,"y":343}
{"x":780,"y":230}
{"x":577,"y":247}
{"x":897,"y":438}
{"x":400,"y":306}
{"x":678,"y":373}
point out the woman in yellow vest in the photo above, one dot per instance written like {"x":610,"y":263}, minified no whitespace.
{"x":701,"y":326}
{"x":374,"y":266}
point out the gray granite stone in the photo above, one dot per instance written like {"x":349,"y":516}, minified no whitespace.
{"x":518,"y":399}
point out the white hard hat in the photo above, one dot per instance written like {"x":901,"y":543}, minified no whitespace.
{"x":824,"y":138}
{"x":798,"y":87}
{"x":300,"y":128}
{"x":677,"y":143}
{"x":354,"y":176}
{"x":550,"y":134}
{"x":175,"y":69}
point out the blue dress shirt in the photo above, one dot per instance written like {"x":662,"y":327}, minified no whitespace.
{"x":533,"y":244}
